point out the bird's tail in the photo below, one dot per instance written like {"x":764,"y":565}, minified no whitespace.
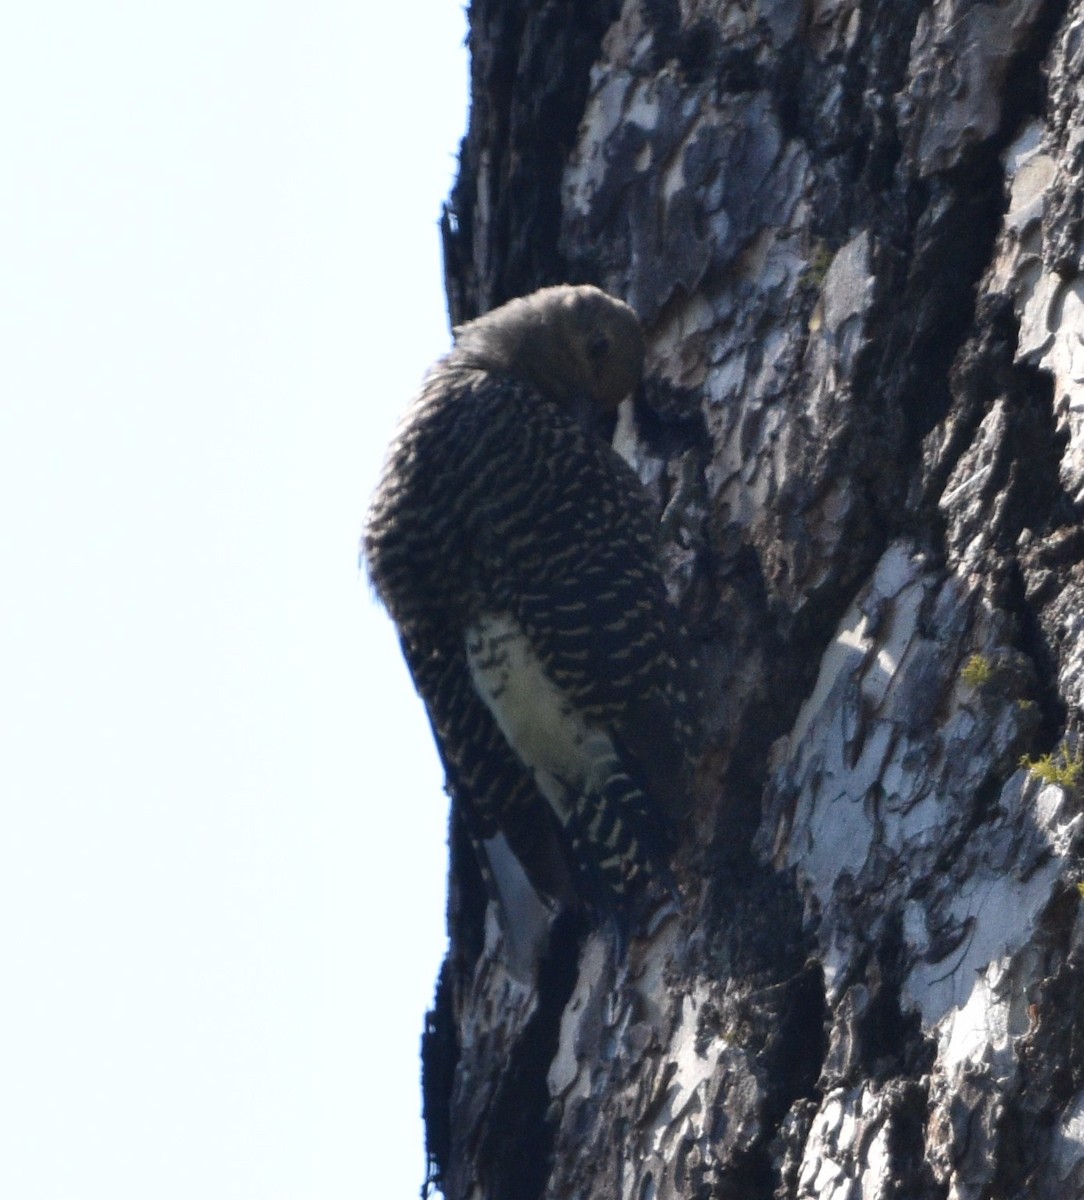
{"x":621,"y":851}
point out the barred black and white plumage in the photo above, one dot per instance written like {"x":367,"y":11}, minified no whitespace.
{"x":518,"y":556}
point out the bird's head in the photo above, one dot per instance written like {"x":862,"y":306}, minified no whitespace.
{"x":574,"y":344}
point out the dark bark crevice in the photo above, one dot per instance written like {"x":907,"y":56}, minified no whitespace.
{"x":439,"y":1058}
{"x":529,"y":80}
{"x":516,"y":1149}
{"x":1052,"y":1058}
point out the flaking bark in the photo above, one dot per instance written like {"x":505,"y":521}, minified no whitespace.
{"x":855,"y":236}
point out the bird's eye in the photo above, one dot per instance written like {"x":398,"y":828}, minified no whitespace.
{"x":598,"y":347}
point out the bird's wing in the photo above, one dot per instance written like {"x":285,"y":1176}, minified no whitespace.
{"x":564,"y":540}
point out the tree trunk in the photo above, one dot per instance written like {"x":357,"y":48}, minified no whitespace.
{"x":853,"y":232}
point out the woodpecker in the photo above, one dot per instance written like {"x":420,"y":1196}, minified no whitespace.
{"x":518,"y":556}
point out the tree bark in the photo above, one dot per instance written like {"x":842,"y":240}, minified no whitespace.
{"x":853,"y":232}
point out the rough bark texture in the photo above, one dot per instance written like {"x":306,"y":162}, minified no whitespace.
{"x":855,"y":235}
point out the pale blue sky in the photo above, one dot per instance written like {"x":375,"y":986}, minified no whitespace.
{"x":221,"y":820}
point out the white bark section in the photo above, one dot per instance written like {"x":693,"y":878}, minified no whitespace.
{"x":959,"y":58}
{"x":1050,"y":305}
{"x":1067,"y":1160}
{"x":875,"y":806}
